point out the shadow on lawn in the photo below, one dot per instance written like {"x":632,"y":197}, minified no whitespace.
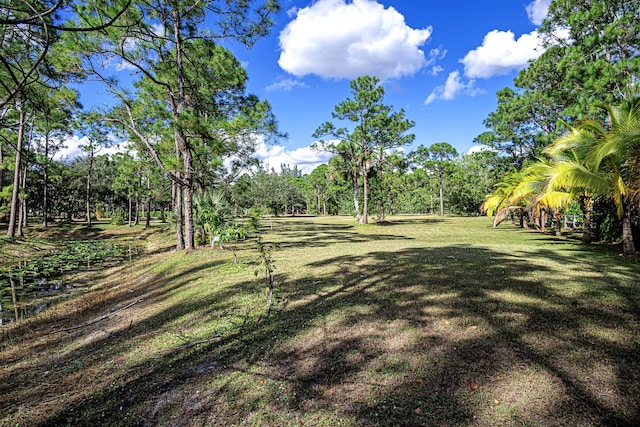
{"x":290,"y":234}
{"x":446,"y":336}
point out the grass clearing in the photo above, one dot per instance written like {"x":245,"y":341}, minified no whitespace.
{"x":421,"y":321}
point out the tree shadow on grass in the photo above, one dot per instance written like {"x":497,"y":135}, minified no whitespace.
{"x":422,"y":336}
{"x":322,"y":234}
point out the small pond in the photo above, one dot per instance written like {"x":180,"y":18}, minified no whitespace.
{"x":30,"y":286}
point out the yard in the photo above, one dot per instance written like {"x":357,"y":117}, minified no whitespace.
{"x":422,"y":320}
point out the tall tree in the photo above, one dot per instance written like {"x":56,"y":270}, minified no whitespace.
{"x":318,"y":179}
{"x":173,"y":45}
{"x":377,"y":128}
{"x":591,"y":54}
{"x":29,"y":31}
{"x":437,"y":158}
{"x":53,"y":124}
{"x":95,"y":138}
{"x":20,"y":125}
{"x":595,"y":44}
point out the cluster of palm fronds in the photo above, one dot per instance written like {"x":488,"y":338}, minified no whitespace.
{"x":592,"y":160}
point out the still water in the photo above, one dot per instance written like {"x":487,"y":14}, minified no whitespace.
{"x":29,"y":287}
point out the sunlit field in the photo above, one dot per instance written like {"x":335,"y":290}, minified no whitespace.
{"x":417,"y":321}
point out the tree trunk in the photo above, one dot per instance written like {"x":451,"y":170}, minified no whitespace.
{"x":525,"y":220}
{"x":1,"y":169}
{"x":20,"y":222}
{"x":365,"y":190}
{"x":137,"y":212}
{"x":130,"y":219}
{"x":586,"y":226}
{"x":22,"y":212}
{"x":88,"y":190}
{"x":147,"y":221}
{"x":365,"y":200}
{"x":178,"y":210}
{"x":392,"y":204}
{"x":178,"y":105}
{"x":45,"y":184}
{"x":558,"y":216}
{"x":441,"y":195}
{"x":189,"y":226}
{"x":356,"y":199}
{"x":628,"y":246}
{"x":11,"y":230}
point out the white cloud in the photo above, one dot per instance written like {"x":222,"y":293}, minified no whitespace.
{"x":501,"y":53}
{"x":291,"y":13}
{"x":480,"y":148}
{"x":122,"y":65}
{"x":336,"y":39}
{"x":537,"y":11}
{"x":306,"y":158}
{"x":452,"y":87}
{"x":72,"y":148}
{"x":286,"y":85}
{"x":435,"y":70}
{"x":436,"y":54}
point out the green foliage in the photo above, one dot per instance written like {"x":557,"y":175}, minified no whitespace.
{"x":592,"y":55}
{"x":212,"y":214}
{"x":437,"y":159}
{"x":474,"y":176}
{"x":605,"y":221}
{"x":117,"y":217}
{"x":254,"y":220}
{"x":376,"y":129}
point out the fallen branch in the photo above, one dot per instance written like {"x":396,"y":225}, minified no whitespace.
{"x":95,"y":320}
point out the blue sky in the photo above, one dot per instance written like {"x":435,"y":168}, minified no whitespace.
{"x":440,"y":60}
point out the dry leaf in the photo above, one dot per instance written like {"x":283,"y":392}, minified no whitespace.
{"x":329,"y":391}
{"x":473,"y":385}
{"x":418,"y":411}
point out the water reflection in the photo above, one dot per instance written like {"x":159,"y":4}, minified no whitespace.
{"x":30,"y":287}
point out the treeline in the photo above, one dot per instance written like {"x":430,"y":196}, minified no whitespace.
{"x":127,"y":189}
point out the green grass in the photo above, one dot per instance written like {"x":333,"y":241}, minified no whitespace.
{"x":421,"y":321}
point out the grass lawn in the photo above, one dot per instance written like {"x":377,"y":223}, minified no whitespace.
{"x":420,"y":321}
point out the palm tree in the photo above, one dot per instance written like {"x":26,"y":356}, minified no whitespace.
{"x":572,"y":171}
{"x":212,"y":214}
{"x":606,"y":161}
{"x":502,"y":203}
{"x":535,"y":186}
